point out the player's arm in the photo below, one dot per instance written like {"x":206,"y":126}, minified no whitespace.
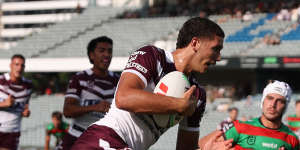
{"x":130,"y":96}
{"x":228,"y":132}
{"x":215,"y":143}
{"x":47,"y":140}
{"x":72,"y":108}
{"x":26,"y":111}
{"x":187,"y":139}
{"x":9,"y":101}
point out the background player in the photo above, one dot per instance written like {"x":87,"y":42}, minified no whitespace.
{"x":57,"y":128}
{"x":129,"y":123}
{"x":15,"y":92}
{"x":233,"y":115}
{"x":294,"y":120}
{"x":91,"y":91}
{"x":267,"y":131}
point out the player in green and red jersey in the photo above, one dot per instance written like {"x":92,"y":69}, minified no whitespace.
{"x":57,"y":128}
{"x":294,"y":120}
{"x":266,"y":131}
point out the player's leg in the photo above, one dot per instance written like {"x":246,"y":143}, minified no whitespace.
{"x":99,"y":138}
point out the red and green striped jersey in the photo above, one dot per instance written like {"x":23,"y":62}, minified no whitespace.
{"x":252,"y":134}
{"x":293,"y":122}
{"x":57,"y":132}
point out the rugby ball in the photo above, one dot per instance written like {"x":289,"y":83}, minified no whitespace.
{"x":173,"y":84}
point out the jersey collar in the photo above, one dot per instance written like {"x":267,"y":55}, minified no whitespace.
{"x":169,"y":57}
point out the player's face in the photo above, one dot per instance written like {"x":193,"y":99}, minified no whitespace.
{"x":233,"y":115}
{"x":102,"y":56}
{"x":208,"y":53}
{"x":273,"y":107}
{"x":56,"y":122}
{"x":17,"y":67}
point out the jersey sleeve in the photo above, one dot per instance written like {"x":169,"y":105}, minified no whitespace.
{"x":142,"y":63}
{"x":230,"y":131}
{"x":74,"y":88}
{"x":192,"y":123}
{"x":49,"y":127}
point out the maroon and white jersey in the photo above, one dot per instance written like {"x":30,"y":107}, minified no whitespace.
{"x":10,"y":118}
{"x":225,"y":124}
{"x":90,"y":89}
{"x":140,"y":131}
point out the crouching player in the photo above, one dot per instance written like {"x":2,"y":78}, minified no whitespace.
{"x":266,"y":131}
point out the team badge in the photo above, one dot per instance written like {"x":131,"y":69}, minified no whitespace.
{"x":251,"y":140}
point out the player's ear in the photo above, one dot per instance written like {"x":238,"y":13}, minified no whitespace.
{"x":91,"y":55}
{"x":194,"y":44}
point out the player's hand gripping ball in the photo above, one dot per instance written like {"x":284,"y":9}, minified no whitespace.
{"x":173,"y":84}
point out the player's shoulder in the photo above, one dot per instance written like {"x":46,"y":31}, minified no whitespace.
{"x":114,"y":74}
{"x":27,"y":82}
{"x":83,"y":73}
{"x":294,"y":139}
{"x":148,"y":50}
{"x":292,"y":116}
{"x":288,"y":130}
{"x":248,"y":124}
{"x":50,"y":126}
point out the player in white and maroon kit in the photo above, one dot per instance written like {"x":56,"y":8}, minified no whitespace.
{"x":15,"y":92}
{"x":129,"y":123}
{"x":233,"y":115}
{"x":90,"y":92}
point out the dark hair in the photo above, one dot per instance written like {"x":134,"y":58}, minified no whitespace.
{"x":57,"y":115}
{"x":297,"y":101}
{"x":198,"y":27}
{"x":17,"y":56}
{"x":93,"y":43}
{"x":233,"y":108}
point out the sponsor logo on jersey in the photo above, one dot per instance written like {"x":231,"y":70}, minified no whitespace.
{"x":251,"y":140}
{"x":137,"y":66}
{"x":269,"y":145}
{"x":138,"y":53}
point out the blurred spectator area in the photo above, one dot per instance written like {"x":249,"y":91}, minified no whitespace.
{"x":24,"y":18}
